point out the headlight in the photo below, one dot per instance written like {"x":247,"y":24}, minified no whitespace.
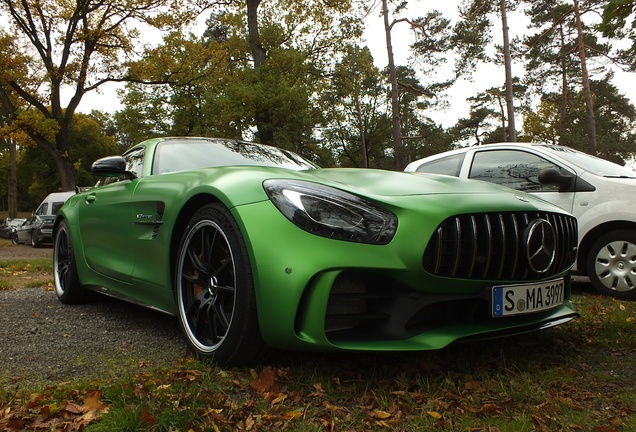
{"x":330,"y":212}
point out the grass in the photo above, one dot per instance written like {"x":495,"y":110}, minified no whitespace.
{"x":580,"y":376}
{"x":26,"y":273}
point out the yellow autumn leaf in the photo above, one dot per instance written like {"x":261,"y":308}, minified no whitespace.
{"x":379,"y":414}
{"x":630,"y":319}
{"x":278,"y":399}
{"x":622,"y":307}
{"x":434,"y":414}
{"x":293,"y":415}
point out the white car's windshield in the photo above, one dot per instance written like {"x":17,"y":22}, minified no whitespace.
{"x":598,"y":166}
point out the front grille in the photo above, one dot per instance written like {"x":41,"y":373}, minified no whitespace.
{"x":494,"y":246}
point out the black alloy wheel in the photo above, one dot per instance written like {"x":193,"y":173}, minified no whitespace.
{"x":215,"y":290}
{"x":68,"y":287}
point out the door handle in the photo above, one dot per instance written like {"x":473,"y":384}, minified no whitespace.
{"x":90,"y":198}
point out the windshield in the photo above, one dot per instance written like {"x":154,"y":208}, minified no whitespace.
{"x":187,"y":154}
{"x":595,"y":165}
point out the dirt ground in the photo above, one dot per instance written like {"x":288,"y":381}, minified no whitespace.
{"x":46,"y":341}
{"x":10,"y":251}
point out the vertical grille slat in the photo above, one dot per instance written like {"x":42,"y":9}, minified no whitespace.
{"x":488,"y":246}
{"x":458,"y":247}
{"x":501,"y":246}
{"x":473,"y":249}
{"x":493,"y":246}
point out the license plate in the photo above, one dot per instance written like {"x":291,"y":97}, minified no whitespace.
{"x":527,"y":298}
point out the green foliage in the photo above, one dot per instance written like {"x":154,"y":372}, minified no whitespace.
{"x":615,"y":122}
{"x":317,"y":91}
{"x":615,"y":24}
{"x":37,"y":176}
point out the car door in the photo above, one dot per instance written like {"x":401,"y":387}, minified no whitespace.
{"x":106,"y":225}
{"x":24,"y":231}
{"x":517,"y":169}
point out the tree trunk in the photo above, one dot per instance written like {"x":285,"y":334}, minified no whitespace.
{"x":563,"y":108}
{"x":12,"y":192}
{"x":262,"y":116}
{"x":589,"y":105}
{"x":512,"y":132}
{"x":363,"y":140}
{"x":395,"y":104}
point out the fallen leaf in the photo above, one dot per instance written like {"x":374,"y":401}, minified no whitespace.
{"x":278,"y":399}
{"x":146,"y":418}
{"x":379,"y":414}
{"x":434,"y":414}
{"x":293,"y":414}
{"x":265,"y":382}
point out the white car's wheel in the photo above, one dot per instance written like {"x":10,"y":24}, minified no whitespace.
{"x":611,"y":264}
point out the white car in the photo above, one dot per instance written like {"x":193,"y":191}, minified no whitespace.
{"x":601,"y":194}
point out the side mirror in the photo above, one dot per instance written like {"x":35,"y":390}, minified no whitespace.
{"x":111,"y":166}
{"x":565,"y":182}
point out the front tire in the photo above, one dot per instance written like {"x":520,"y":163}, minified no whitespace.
{"x":611,"y":264}
{"x":35,"y":240}
{"x":14,"y":238}
{"x":68,"y":287}
{"x":215,"y":290}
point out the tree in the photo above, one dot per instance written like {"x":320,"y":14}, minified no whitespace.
{"x":616,"y":14}
{"x":560,"y":54}
{"x":69,"y":49}
{"x":615,"y":120}
{"x":472,"y":37}
{"x":585,"y":79}
{"x":432,"y":33}
{"x":294,"y":43}
{"x":354,"y":105}
{"x":87,"y":143}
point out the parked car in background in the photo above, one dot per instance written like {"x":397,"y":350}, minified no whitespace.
{"x":36,"y":230}
{"x":52,"y":203}
{"x":601,"y":194}
{"x":253,"y":247}
{"x":8,"y":225}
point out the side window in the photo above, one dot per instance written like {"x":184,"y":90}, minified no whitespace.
{"x":449,"y":165}
{"x":56,"y":207}
{"x":42,"y":209}
{"x":514,"y":169}
{"x":135,"y":160}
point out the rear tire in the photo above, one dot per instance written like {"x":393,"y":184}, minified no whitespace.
{"x":611,"y":264}
{"x":215,"y":290}
{"x":68,"y":288}
{"x":35,"y":240}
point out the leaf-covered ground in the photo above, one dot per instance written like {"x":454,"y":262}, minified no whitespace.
{"x":580,"y":376}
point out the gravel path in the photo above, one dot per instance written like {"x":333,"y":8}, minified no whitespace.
{"x":46,"y":341}
{"x":42,"y":340}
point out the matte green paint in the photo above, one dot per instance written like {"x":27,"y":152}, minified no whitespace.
{"x":127,"y":233}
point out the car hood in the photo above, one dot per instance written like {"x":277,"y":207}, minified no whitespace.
{"x":394,"y":183}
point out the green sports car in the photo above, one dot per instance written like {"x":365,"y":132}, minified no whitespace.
{"x":253,"y":247}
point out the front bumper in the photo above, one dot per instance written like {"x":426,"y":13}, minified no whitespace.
{"x":317,"y":293}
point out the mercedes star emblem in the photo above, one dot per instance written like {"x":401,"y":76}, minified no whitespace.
{"x":540,"y":245}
